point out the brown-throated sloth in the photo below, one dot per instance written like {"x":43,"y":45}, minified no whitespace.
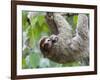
{"x":63,"y":47}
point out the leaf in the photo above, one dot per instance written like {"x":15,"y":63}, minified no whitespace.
{"x":24,"y":65}
{"x":25,"y":52}
{"x":75,"y":18}
{"x":34,"y":21}
{"x":71,"y":64}
{"x":54,"y":64}
{"x":24,"y":20}
{"x":41,"y":20}
{"x":44,"y":63}
{"x":34,"y":60}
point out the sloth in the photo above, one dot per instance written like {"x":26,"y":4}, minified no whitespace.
{"x":63,"y":47}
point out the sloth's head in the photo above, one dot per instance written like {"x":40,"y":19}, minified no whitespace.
{"x":46,"y":43}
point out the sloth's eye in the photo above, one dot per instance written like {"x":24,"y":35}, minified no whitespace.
{"x":48,"y":40}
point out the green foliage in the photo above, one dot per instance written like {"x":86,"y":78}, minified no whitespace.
{"x":24,"y":65}
{"x":34,"y":60}
{"x":32,"y":56}
{"x":75,"y":18}
{"x":73,"y":21}
{"x":71,"y":64}
{"x":24,"y":20}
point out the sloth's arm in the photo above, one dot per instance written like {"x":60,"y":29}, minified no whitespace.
{"x":82,"y":33}
{"x":80,"y":42}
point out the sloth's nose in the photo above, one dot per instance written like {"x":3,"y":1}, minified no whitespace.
{"x":46,"y":45}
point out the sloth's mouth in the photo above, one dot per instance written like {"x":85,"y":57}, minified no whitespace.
{"x":47,"y":46}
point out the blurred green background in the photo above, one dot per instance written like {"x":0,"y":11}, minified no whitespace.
{"x":33,"y":29}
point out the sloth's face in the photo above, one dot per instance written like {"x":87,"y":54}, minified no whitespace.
{"x":46,"y":44}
